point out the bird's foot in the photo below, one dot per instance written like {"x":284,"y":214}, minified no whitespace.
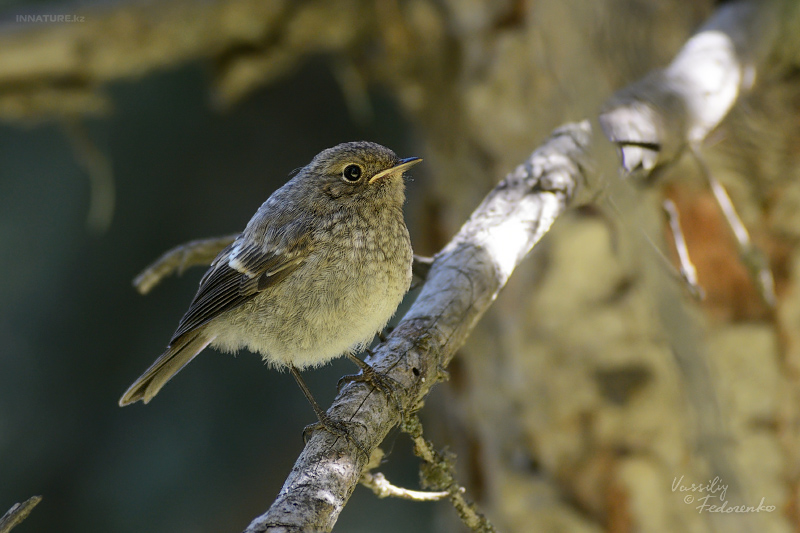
{"x":388,"y":386}
{"x":338,"y":428}
{"x":335,"y":427}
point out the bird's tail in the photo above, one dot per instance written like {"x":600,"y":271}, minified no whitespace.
{"x":178,"y":355}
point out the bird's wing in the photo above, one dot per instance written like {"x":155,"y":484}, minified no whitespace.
{"x":238,"y":273}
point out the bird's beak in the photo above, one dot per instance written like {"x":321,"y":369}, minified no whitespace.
{"x":399,"y":168}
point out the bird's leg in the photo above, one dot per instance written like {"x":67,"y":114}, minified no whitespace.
{"x":378,"y":380}
{"x":326,"y":422}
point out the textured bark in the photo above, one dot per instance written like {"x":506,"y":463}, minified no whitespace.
{"x":17,"y":514}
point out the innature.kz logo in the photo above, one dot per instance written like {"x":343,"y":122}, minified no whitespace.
{"x":50,"y":18}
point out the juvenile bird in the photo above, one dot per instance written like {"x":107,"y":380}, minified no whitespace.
{"x":318,"y":271}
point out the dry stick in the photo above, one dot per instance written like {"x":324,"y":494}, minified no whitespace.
{"x":752,"y":256}
{"x":686,"y":275}
{"x":383,"y":489}
{"x":18,"y":513}
{"x":101,"y":175}
{"x":654,"y":119}
{"x":687,"y":272}
{"x":199,"y":252}
{"x":463,"y":281}
{"x":438,"y":471}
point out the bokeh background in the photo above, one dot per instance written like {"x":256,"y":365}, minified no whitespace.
{"x":569,"y":408}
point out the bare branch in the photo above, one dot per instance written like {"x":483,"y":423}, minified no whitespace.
{"x":688,"y":272}
{"x":653,"y":119}
{"x":178,"y":259}
{"x":201,"y":252}
{"x":754,"y":258}
{"x":439,"y":472}
{"x":18,"y":513}
{"x":60,"y":70}
{"x":382,"y":488}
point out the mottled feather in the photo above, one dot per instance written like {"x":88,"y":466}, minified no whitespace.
{"x":224,"y":288}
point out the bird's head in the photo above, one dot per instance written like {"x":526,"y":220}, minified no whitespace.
{"x":359,"y":172}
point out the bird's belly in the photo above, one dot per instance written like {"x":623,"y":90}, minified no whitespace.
{"x":324,"y":314}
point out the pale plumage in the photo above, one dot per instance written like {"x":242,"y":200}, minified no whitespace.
{"x":319,"y":269}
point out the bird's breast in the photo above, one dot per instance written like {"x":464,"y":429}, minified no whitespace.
{"x":346,"y":290}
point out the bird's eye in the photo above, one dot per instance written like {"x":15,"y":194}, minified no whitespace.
{"x":352,"y":173}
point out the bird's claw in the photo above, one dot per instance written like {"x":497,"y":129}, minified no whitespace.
{"x":388,"y":386}
{"x":337,"y":428}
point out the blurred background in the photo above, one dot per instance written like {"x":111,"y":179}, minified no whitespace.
{"x":568,"y":408}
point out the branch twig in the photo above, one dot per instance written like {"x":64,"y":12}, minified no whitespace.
{"x":18,"y":513}
{"x":653,"y":119}
{"x":383,"y":489}
{"x":751,"y":255}
{"x":687,"y":272}
{"x":438,"y":472}
{"x":178,"y":259}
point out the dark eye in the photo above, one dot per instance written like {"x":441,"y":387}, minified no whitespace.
{"x":352,"y":172}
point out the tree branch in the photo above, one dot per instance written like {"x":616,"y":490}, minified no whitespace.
{"x":201,"y":252}
{"x":178,"y":259}
{"x":438,"y":471}
{"x":383,"y":488}
{"x":59,"y":70}
{"x":653,"y":119}
{"x":18,"y":513}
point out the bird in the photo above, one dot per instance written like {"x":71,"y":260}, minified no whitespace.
{"x":319,"y":270}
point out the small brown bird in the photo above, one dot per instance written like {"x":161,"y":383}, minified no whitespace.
{"x":318,"y":271}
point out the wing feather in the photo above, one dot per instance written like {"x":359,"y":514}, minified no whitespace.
{"x":237,"y":275}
